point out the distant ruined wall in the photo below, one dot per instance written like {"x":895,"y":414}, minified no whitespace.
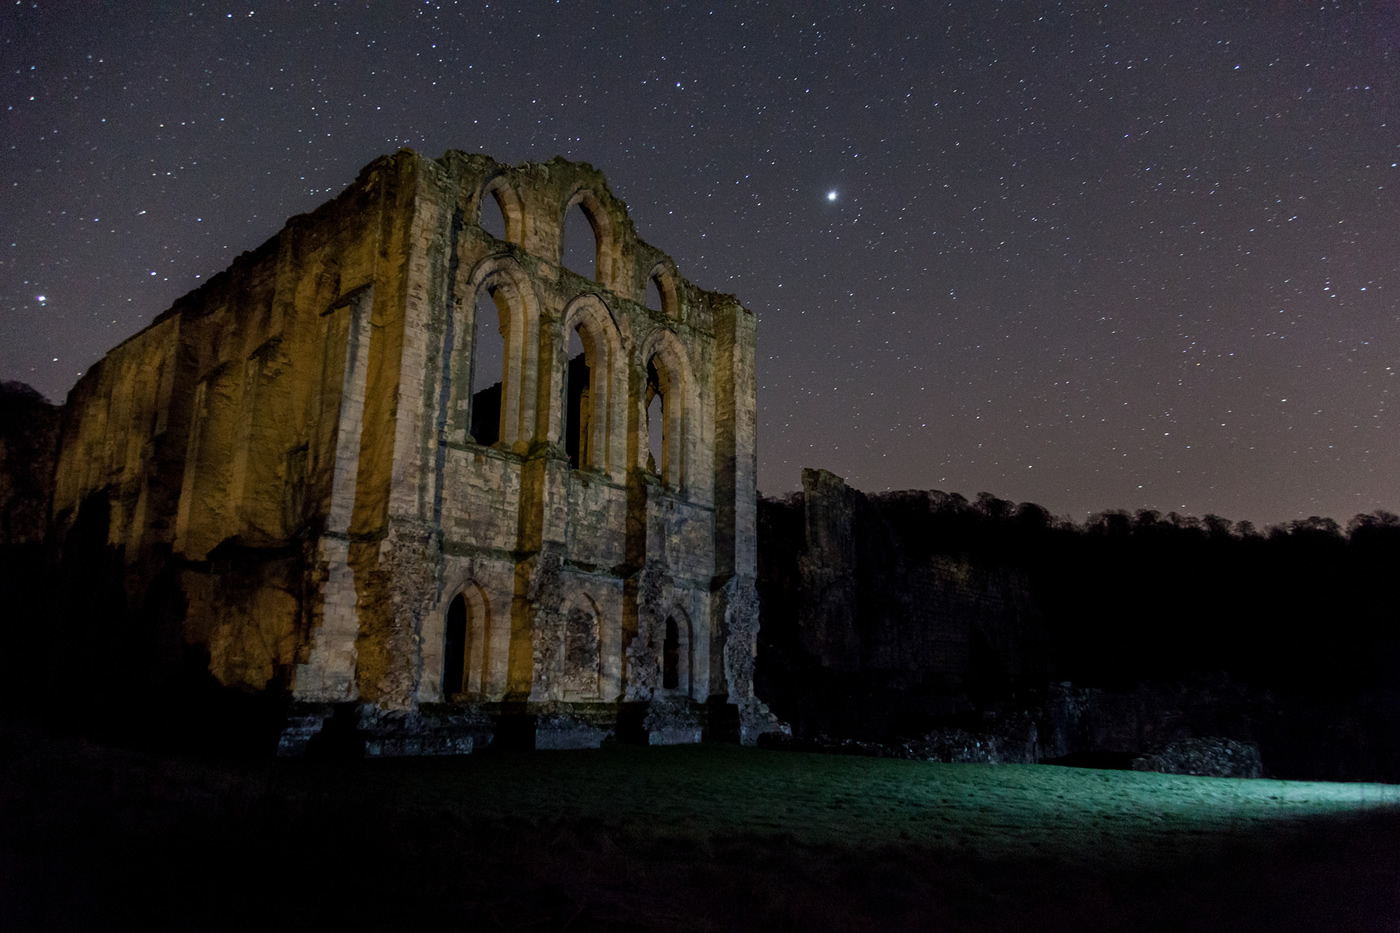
{"x":865,"y":631}
{"x":919,"y":624}
{"x":294,"y":468}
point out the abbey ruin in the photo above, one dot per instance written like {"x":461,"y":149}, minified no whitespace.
{"x":415,"y":478}
{"x":363,"y":467}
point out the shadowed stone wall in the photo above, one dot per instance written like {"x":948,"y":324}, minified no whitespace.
{"x":867,"y":631}
{"x":917,"y":624}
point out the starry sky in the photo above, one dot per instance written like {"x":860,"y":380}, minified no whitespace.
{"x":1110,"y":255}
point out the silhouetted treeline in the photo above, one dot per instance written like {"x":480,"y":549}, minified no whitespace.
{"x":890,"y":617}
{"x":1306,"y":606}
{"x":28,"y":446}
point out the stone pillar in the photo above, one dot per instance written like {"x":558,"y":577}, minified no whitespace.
{"x":736,"y":447}
{"x":329,"y":671}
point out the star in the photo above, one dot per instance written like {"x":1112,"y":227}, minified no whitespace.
{"x":1013,"y":233}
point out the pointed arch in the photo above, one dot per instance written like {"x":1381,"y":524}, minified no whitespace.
{"x":604,"y":234}
{"x":499,"y":189}
{"x":677,"y":654}
{"x":663,"y":278}
{"x":514,"y":299}
{"x":666,"y":372}
{"x":582,"y":654}
{"x":598,"y":417}
{"x":466,"y":630}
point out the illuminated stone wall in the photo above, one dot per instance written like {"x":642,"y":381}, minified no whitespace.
{"x":299,"y":446}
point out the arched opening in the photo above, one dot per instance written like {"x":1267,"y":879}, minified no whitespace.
{"x":578,"y":408}
{"x":588,"y":395}
{"x":500,"y":212}
{"x":581,"y":243}
{"x":661,"y":291}
{"x":656,"y":422}
{"x":455,"y":648}
{"x":671,"y":656}
{"x":488,"y":366}
{"x":493,"y":214}
{"x":465,"y":641}
{"x":497,"y":403}
{"x":668,"y":406}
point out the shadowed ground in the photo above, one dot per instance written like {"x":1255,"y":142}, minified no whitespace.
{"x":691,"y":838}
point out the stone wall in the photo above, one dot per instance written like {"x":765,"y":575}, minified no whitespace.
{"x":286,"y":458}
{"x":917,"y":624}
{"x":866,"y":632}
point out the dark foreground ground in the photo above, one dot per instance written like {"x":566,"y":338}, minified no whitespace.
{"x":693,"y":838}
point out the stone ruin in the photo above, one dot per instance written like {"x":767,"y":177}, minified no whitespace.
{"x":308,"y":461}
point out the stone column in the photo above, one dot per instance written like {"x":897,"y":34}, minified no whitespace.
{"x":329,"y":671}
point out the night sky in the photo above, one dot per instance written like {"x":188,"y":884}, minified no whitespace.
{"x":1121,"y":255}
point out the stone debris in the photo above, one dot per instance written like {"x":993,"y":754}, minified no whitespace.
{"x":1208,"y":756}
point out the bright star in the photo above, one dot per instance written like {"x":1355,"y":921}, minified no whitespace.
{"x":831,"y":195}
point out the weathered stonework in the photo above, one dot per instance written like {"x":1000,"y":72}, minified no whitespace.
{"x":299,"y":444}
{"x":868,"y":633}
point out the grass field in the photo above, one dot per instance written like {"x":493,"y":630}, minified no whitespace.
{"x":688,"y":838}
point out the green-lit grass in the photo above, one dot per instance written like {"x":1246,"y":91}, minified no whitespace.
{"x":999,"y":811}
{"x":711,"y":837}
